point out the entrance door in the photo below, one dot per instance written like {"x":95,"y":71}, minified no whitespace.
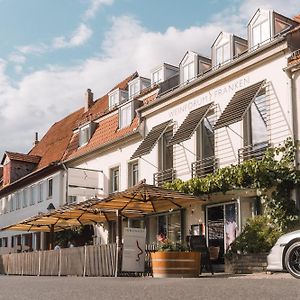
{"x":222,"y":226}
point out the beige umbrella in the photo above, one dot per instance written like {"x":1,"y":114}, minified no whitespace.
{"x":146,"y":199}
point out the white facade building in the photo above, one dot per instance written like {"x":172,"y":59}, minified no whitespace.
{"x":191,"y":120}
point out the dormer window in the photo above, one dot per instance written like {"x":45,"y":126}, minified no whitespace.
{"x":163,"y":72}
{"x":136,"y":85}
{"x":191,"y":65}
{"x":157,"y":76}
{"x":226,"y":47}
{"x":133,"y":89}
{"x":188,"y":72}
{"x":117,"y":97}
{"x":261,"y":33}
{"x":113,"y":100}
{"x":86,"y":132}
{"x":222,"y":54}
{"x":125,"y":115}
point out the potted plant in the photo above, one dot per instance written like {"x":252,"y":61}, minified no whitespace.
{"x":174,"y":260}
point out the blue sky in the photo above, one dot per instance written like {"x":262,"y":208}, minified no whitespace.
{"x":51,"y":51}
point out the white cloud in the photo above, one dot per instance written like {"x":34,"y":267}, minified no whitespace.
{"x":43,"y":97}
{"x":33,"y":49}
{"x":17,"y":58}
{"x":94,"y":7}
{"x":78,"y":38}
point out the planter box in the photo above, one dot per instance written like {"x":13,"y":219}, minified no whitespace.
{"x":175,"y":264}
{"x":246,"y":263}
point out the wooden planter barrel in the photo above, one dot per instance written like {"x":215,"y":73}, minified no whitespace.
{"x":175,"y":264}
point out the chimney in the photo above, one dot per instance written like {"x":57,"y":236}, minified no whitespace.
{"x":88,"y":99}
{"x":36,"y":141}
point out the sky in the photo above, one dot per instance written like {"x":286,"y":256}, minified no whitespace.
{"x":51,"y":51}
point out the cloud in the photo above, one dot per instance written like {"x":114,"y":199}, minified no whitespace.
{"x":17,"y":58}
{"x":94,"y":7}
{"x":43,"y":97}
{"x":78,"y":38}
{"x":33,"y":48}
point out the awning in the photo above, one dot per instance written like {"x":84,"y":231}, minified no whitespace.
{"x":190,"y":124}
{"x":151,"y":139}
{"x":238,"y":105}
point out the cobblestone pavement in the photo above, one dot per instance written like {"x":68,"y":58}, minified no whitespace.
{"x":220,"y":286}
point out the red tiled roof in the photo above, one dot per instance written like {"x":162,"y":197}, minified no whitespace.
{"x":23,"y":157}
{"x":53,"y":145}
{"x":60,"y":142}
{"x":106,"y":132}
{"x":297,"y":18}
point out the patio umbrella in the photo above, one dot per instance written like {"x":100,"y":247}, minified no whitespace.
{"x":145,"y":198}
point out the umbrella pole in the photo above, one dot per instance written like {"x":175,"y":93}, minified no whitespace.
{"x":119,"y":243}
{"x":51,"y":244}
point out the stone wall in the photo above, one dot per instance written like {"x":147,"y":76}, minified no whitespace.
{"x":245,"y":264}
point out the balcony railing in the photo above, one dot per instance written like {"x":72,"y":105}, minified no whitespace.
{"x":160,"y":178}
{"x":256,"y":151}
{"x":294,"y":56}
{"x":203,"y":167}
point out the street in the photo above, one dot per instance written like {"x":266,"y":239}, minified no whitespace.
{"x":219,"y":286}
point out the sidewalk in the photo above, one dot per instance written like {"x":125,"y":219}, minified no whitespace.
{"x":277,"y":275}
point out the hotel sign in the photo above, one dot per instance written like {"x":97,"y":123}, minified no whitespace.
{"x":211,"y":96}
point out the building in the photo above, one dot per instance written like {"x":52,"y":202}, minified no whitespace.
{"x":185,"y":121}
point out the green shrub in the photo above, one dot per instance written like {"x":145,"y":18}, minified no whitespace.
{"x":257,"y":236}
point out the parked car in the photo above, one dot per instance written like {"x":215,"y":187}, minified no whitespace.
{"x":285,"y":255}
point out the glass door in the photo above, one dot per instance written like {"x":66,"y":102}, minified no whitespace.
{"x":222,"y":226}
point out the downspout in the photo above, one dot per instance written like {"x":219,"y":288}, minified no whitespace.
{"x":294,"y":109}
{"x":67,"y":182}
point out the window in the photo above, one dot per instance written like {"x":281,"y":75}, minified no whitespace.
{"x":31,"y":199}
{"x":5,"y":206}
{"x":115,"y":179}
{"x":72,"y":199}
{"x":260,"y":33}
{"x":86,"y":132}
{"x":125,"y":113}
{"x":133,"y":173}
{"x":25,"y":197}
{"x":222,"y":54}
{"x":255,"y":121}
{"x":166,"y":155}
{"x":113,"y":100}
{"x":157,"y":76}
{"x":205,"y":140}
{"x":134,"y":89}
{"x":170,"y":226}
{"x":18,"y":202}
{"x":50,"y":188}
{"x":40,"y":192}
{"x":188,"y":72}
{"x":12,"y":203}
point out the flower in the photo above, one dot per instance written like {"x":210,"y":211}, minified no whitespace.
{"x":166,"y":245}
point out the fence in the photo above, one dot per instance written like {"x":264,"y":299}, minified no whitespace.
{"x":99,"y":260}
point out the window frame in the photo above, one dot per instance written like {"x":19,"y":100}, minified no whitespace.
{"x":40,"y":192}
{"x":49,"y":188}
{"x":223,"y":59}
{"x":114,"y":188}
{"x":129,"y":109}
{"x":163,"y":150}
{"x":259,"y":26}
{"x":190,"y":67}
{"x":131,"y":173}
